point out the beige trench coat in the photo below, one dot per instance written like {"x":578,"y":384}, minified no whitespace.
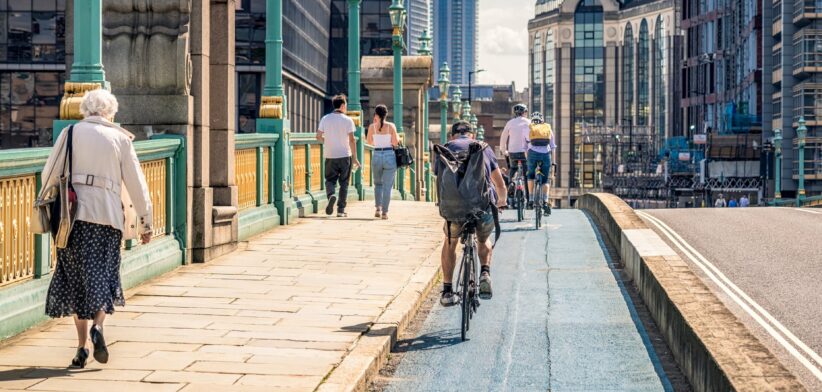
{"x":110,"y":185}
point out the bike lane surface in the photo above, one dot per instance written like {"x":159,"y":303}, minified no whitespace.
{"x":559,"y":320}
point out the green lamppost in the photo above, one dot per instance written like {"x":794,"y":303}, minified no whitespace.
{"x":273,"y":109}
{"x":425,"y":50}
{"x":444,"y":83}
{"x":473,"y":121}
{"x":777,"y":143}
{"x":397,"y":13}
{"x":456,"y":103}
{"x":466,"y":111}
{"x":481,"y":133}
{"x":801,"y":133}
{"x":87,"y":67}
{"x":354,"y":106}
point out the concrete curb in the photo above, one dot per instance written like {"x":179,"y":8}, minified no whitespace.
{"x":370,"y":352}
{"x":714,"y":350}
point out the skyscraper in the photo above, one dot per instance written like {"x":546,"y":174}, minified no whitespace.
{"x":456,"y":36}
{"x":419,"y":19}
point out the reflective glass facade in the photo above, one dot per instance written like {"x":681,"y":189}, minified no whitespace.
{"x":628,"y":76}
{"x":536,"y":85}
{"x":643,"y":60}
{"x":660,"y":77}
{"x":32,"y":55}
{"x":589,"y":81}
{"x":549,"y":77}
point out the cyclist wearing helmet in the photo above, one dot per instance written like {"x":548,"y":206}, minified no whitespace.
{"x":540,"y":153}
{"x":514,"y":140}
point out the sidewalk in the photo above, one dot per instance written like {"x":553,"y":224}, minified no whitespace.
{"x":278,"y":315}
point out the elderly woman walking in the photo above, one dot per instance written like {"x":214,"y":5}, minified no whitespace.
{"x":383,"y":136}
{"x":112,"y":204}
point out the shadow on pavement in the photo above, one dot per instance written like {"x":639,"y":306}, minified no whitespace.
{"x":35,"y":372}
{"x":429,"y":341}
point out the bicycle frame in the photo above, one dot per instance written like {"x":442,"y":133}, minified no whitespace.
{"x":467,"y":285}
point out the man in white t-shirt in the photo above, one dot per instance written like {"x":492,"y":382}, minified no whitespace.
{"x":513,"y":143}
{"x":336,"y":131}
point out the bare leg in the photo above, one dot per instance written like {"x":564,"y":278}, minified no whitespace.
{"x":485,"y":252}
{"x":531,"y":190}
{"x":449,"y":259}
{"x":99,"y":318}
{"x":82,"y":331}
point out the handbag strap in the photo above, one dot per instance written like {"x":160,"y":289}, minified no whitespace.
{"x":69,"y":149}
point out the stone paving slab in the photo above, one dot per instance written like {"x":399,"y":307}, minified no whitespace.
{"x":278,"y":315}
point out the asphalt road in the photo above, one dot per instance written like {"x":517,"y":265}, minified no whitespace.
{"x":559,"y":320}
{"x":774,"y":255}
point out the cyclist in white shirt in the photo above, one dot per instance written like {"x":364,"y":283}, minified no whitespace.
{"x":514,"y":141}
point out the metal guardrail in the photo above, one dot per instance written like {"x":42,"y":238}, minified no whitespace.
{"x":24,"y":255}
{"x":308,"y":170}
{"x":252,"y":168}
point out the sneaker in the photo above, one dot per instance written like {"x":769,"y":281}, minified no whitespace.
{"x":449,"y":298}
{"x":530,"y":205}
{"x":329,"y":209}
{"x":384,"y":215}
{"x":546,"y":210}
{"x":377,"y":213}
{"x":485,"y":291}
{"x":342,"y":215}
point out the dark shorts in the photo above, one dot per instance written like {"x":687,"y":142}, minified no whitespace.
{"x":484,"y":228}
{"x":543,"y":161}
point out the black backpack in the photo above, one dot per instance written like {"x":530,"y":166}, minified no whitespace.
{"x":463,"y":188}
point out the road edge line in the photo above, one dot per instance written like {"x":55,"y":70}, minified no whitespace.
{"x":712,"y":347}
{"x":370,"y":353}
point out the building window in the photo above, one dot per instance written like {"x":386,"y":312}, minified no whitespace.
{"x":643,"y":60}
{"x":628,"y":76}
{"x":588,"y":91}
{"x":536,"y":84}
{"x":660,"y":77}
{"x":548,"y":97}
{"x":29,"y":103}
{"x":249,"y":88}
{"x":32,"y":31}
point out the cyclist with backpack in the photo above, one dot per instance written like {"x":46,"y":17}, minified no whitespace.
{"x":540,"y":154}
{"x":470,"y":186}
{"x":514,"y":141}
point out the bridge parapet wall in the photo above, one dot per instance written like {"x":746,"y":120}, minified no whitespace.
{"x":711,"y":346}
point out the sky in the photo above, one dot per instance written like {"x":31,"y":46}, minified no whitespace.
{"x":503,"y":46}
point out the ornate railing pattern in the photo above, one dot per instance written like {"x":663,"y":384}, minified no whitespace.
{"x":16,"y":242}
{"x":252,"y":168}
{"x":155,"y":173}
{"x":366,"y":166}
{"x":300,"y":168}
{"x":316,"y":167}
{"x":307,"y":171}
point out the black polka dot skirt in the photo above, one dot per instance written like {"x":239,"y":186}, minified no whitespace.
{"x":87,"y":277}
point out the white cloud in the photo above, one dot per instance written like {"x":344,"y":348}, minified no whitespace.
{"x":503,"y":46}
{"x":503,"y":40}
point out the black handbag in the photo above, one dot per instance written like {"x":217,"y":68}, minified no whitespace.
{"x":403,"y":155}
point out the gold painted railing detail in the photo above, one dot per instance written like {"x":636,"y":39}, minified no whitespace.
{"x":316,"y":168}
{"x":366,"y":168}
{"x":245,"y":175}
{"x":155,"y":173}
{"x":407,"y":180}
{"x":300,"y":168}
{"x":266,"y":174}
{"x":17,"y":196}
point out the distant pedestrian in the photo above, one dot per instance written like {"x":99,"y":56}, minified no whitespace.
{"x":733,"y":203}
{"x":720,"y":202}
{"x":336,"y":131}
{"x":744,"y":201}
{"x":383,"y":136}
{"x":114,"y":205}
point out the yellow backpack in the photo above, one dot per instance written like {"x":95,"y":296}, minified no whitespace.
{"x":540,"y":134}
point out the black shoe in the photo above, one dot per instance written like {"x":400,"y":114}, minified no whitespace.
{"x":449,"y":298}
{"x":546,"y":210}
{"x":80,"y":358}
{"x":99,"y":342}
{"x":530,"y":205}
{"x":329,"y":209}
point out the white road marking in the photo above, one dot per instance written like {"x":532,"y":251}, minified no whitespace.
{"x":510,"y":352}
{"x":809,"y":211}
{"x":745,"y":302}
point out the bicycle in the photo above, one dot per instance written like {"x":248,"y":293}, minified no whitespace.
{"x":539,"y":203}
{"x":519,"y":191}
{"x":467,"y":280}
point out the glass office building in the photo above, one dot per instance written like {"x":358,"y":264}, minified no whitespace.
{"x":600,"y":69}
{"x":32,"y":67}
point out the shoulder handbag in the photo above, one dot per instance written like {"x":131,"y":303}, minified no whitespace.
{"x":404,"y":158}
{"x":57,"y":207}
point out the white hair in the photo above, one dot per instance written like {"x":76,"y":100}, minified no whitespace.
{"x":99,"y":103}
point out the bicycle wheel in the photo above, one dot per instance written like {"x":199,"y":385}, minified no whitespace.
{"x":520,"y":205}
{"x":466,"y":292}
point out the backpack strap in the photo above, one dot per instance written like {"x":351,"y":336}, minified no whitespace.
{"x":497,"y":228}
